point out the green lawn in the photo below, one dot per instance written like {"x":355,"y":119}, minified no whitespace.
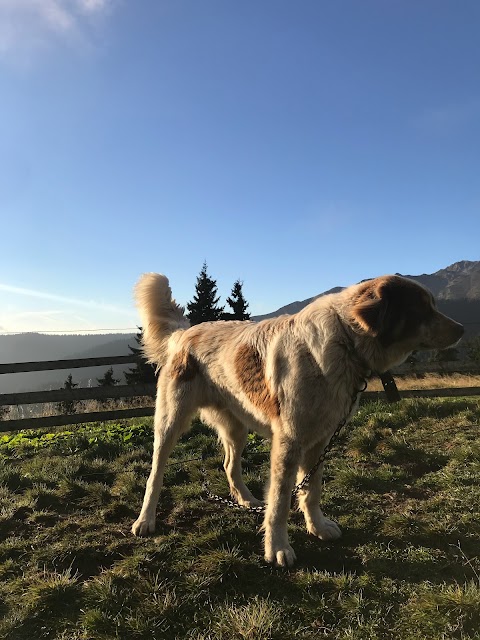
{"x":403,"y":483}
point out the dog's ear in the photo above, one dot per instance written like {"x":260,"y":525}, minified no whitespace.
{"x":369,"y":309}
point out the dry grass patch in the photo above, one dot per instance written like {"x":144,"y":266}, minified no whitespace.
{"x":429,"y":381}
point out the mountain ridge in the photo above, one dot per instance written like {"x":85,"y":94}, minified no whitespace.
{"x":458,"y":281}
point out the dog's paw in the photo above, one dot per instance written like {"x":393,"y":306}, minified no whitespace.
{"x":251,"y":502}
{"x":325,"y":529}
{"x":284,"y":557}
{"x":142,"y":527}
{"x":244,"y":497}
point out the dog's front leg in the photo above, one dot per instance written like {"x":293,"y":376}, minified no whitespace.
{"x":285,"y":458}
{"x":309,"y":498}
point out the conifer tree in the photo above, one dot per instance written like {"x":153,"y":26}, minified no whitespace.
{"x":444,"y":356}
{"x":237,"y":303}
{"x":142,"y":373}
{"x":473,"y":349}
{"x":204,"y":306}
{"x":108,"y":380}
{"x":67,"y":407}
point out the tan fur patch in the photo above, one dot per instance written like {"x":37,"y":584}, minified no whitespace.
{"x":193,"y":337}
{"x":184,"y":367}
{"x":250,"y":371}
{"x":391,"y":308}
{"x":367,"y":307}
{"x":278,"y":325}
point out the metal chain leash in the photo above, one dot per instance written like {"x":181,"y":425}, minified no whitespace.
{"x":261,"y":509}
{"x":213,"y":497}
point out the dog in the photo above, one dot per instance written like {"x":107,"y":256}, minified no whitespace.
{"x":292,"y":379}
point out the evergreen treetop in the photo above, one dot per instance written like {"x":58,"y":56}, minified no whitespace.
{"x":108,"y":380}
{"x":473,"y":349}
{"x":142,"y":373}
{"x":204,"y":306}
{"x":67,"y":407}
{"x":238,"y":303}
{"x":69,"y":384}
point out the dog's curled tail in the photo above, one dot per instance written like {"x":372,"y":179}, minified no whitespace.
{"x":160,"y":315}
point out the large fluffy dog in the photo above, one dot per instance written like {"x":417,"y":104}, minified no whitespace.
{"x":291,"y":378}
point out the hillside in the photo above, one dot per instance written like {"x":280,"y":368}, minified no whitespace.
{"x":457,"y":289}
{"x":35,"y":347}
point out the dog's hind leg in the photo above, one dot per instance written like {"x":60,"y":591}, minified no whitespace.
{"x":173,"y":413}
{"x":233,"y":435}
{"x":309,"y":498}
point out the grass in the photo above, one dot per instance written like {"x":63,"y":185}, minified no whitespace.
{"x":403,"y":483}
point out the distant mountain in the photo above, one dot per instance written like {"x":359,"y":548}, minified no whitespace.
{"x":35,"y":347}
{"x":460,"y":280}
{"x":294,"y":307}
{"x":456,"y":288}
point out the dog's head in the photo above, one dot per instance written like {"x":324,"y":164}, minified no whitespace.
{"x":402,"y":314}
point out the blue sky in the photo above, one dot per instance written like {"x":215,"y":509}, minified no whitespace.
{"x":294,"y":145}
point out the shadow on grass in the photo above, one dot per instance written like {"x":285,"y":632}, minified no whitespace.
{"x":415,"y":462}
{"x":447,"y":563}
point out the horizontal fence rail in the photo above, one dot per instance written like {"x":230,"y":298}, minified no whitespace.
{"x":75,"y":395}
{"x":50,"y":365}
{"x":76,"y":418}
{"x":453,"y":392}
{"x":148,"y":390}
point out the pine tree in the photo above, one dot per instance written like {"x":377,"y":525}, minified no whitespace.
{"x":67,"y":407}
{"x":473,"y":349}
{"x":143,"y":373}
{"x":204,"y":306}
{"x":445,"y":355}
{"x":108,"y":380}
{"x":238,"y":303}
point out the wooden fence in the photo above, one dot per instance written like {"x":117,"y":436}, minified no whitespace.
{"x":74,"y":395}
{"x":126,"y":391}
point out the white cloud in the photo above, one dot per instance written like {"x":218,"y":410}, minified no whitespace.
{"x":50,"y":320}
{"x":23,"y":310}
{"x":44,"y":295}
{"x":449,"y":118}
{"x":30,"y":26}
{"x":93,"y":5}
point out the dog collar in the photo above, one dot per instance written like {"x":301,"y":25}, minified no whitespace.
{"x":389,"y":384}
